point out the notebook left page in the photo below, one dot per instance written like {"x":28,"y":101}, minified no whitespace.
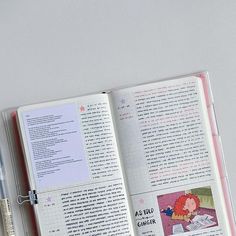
{"x":73,"y":163}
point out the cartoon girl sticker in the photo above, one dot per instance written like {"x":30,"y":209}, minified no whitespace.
{"x":185,"y":208}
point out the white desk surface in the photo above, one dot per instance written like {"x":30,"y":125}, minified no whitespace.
{"x":64,"y":48}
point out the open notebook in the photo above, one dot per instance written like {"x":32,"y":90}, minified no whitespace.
{"x":142,"y":160}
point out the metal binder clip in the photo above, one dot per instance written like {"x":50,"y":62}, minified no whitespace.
{"x":31,"y":197}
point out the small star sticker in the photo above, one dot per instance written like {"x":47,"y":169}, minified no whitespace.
{"x":82,"y":108}
{"x":141,"y":200}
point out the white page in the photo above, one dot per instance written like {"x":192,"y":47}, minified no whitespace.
{"x":74,"y":166}
{"x":167,"y":150}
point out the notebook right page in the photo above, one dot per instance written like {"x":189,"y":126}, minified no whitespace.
{"x":169,"y":159}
